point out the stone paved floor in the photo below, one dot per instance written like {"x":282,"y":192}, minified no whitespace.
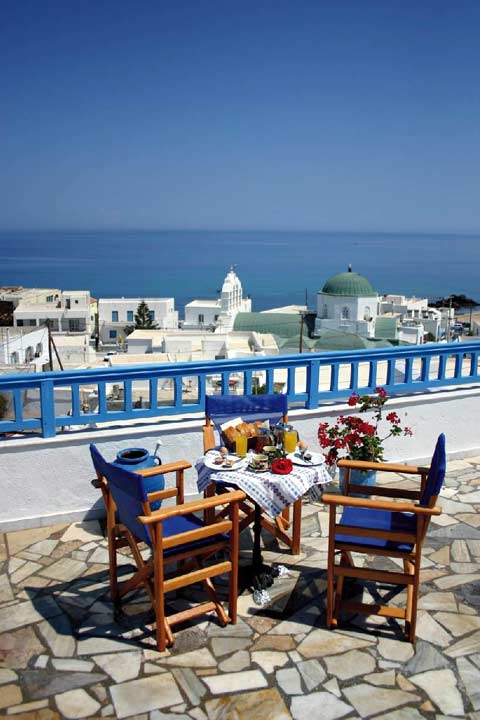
{"x":63,"y":653}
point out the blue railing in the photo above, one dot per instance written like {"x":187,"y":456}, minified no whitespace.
{"x":47,"y":401}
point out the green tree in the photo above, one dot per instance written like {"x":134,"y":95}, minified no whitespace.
{"x":143,"y":320}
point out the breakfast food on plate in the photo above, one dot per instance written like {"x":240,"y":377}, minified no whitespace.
{"x":228,"y":463}
{"x":224,"y":450}
{"x":218,"y":460}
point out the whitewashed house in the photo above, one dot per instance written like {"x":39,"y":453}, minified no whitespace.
{"x":218,"y":314}
{"x":188,"y":345}
{"x":69,"y":311}
{"x":114,"y":314}
{"x":20,"y":348}
{"x":415,"y":319}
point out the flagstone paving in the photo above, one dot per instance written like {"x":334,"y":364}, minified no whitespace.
{"x":66,"y":652}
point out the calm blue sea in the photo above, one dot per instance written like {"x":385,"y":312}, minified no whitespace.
{"x":276,"y":268}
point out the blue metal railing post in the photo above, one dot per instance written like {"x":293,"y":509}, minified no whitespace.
{"x":47,"y":408}
{"x":405,"y":369}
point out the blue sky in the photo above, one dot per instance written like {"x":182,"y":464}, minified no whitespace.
{"x":355,"y":115}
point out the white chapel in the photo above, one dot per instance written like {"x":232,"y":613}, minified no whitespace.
{"x":218,"y":314}
{"x":347,"y":302}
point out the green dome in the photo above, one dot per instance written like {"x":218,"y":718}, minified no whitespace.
{"x":348,"y":283}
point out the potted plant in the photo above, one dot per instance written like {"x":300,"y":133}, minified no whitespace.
{"x":354,"y":438}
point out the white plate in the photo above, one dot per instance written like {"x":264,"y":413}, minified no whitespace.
{"x":316,"y":459}
{"x":237,"y":464}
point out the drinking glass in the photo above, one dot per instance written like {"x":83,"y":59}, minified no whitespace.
{"x":241,"y":442}
{"x":290,"y":439}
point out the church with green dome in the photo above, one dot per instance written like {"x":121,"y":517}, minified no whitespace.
{"x":347,"y":303}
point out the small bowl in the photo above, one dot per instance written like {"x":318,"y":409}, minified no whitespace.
{"x":269,"y":450}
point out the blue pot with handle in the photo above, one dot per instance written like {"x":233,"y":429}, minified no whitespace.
{"x":136,"y":458}
{"x":358,"y":477}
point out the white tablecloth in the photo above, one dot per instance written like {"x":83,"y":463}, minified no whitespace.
{"x":272,"y":492}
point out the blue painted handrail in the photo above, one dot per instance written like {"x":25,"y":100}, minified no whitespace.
{"x":329,"y":376}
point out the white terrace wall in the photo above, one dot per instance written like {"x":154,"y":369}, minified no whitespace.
{"x":44,"y":481}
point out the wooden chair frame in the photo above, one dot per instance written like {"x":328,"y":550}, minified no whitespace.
{"x":280,"y":526}
{"x":189,"y":568}
{"x":411,"y":560}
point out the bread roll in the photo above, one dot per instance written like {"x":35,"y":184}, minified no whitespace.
{"x":230,"y":433}
{"x":243,"y":429}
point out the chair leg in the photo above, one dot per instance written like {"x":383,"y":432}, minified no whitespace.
{"x":413,"y":568}
{"x":331,"y":623}
{"x":209,"y":515}
{"x":297,"y":523}
{"x":212,"y":594}
{"x":161,"y":628}
{"x":233,"y":577}
{"x":346,"y":561}
{"x":112,"y":558}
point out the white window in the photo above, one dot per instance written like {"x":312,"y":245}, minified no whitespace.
{"x":345,"y":313}
{"x":366,"y":313}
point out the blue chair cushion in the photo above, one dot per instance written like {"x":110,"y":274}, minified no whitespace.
{"x":377,"y":520}
{"x":184,"y":523}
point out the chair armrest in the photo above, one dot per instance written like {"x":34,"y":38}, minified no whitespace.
{"x":383,"y":467}
{"x":193,"y":506}
{"x":347,"y":501}
{"x":163,"y":469}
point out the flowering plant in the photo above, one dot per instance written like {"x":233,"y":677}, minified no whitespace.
{"x":356,"y":439}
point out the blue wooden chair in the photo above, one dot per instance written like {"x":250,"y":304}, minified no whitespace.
{"x":176,"y":537}
{"x":221,"y":408}
{"x":386,"y":528}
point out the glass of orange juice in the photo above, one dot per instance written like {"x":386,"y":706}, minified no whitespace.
{"x":290,"y":439}
{"x":241,"y":443}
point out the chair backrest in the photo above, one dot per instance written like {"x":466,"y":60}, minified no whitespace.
{"x":436,"y":475}
{"x":128,"y":490}
{"x":221,"y":408}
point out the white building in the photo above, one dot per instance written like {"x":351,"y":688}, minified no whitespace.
{"x":416,"y":319}
{"x":347,"y":302}
{"x":188,"y":345}
{"x":68,"y":310}
{"x":115,"y":313}
{"x":21,"y":348}
{"x":218,"y":314}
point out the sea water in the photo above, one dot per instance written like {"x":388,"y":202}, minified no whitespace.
{"x":276,"y":267}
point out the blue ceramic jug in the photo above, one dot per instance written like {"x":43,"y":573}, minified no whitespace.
{"x":135,"y":458}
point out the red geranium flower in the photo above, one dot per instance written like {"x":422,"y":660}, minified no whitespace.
{"x":354,"y":438}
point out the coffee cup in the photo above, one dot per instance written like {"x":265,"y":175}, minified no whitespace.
{"x":259,"y":462}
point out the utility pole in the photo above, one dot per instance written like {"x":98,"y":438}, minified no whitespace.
{"x":300,"y":344}
{"x":51,"y":344}
{"x":449,"y":321}
{"x":50,"y":357}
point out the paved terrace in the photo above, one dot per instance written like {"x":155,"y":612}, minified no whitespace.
{"x":64,"y":653}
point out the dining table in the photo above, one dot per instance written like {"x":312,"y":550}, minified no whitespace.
{"x":270,"y":493}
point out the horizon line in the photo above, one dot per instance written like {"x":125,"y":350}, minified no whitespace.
{"x":463,"y":233}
